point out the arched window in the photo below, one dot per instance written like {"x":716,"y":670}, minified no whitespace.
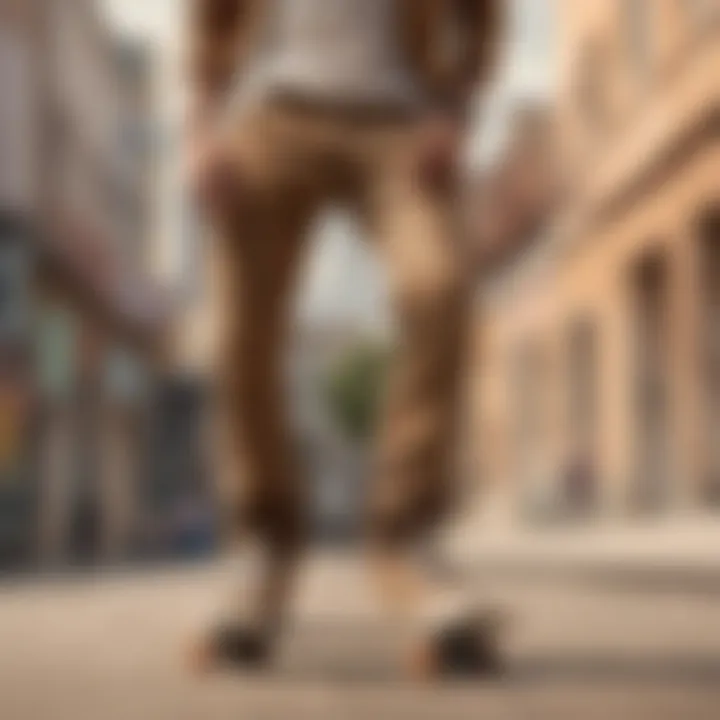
{"x":639,"y":34}
{"x":701,"y":13}
{"x":592,"y":91}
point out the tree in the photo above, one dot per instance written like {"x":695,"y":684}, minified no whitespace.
{"x":354,"y":387}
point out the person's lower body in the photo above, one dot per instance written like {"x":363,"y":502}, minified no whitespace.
{"x":290,"y":161}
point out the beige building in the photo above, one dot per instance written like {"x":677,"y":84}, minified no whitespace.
{"x":598,"y":373}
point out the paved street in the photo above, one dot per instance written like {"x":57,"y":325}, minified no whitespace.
{"x":111,"y":648}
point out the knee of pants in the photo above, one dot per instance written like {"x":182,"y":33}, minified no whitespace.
{"x":439,"y":293}
{"x":397,"y":519}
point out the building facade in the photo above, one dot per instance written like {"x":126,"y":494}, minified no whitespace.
{"x":596,"y":384}
{"x":78,"y":311}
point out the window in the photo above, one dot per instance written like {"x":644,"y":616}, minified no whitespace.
{"x":14,"y":289}
{"x":591,"y":89}
{"x":638,"y":21}
{"x":56,"y":352}
{"x":529,"y":380}
{"x":580,"y":474}
{"x":582,"y":378}
{"x":18,"y":180}
{"x":124,"y":376}
{"x":654,"y":451}
{"x":701,"y":12}
{"x":710,"y":339}
{"x":192,"y":258}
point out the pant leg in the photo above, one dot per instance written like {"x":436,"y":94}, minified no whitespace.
{"x":257,"y":253}
{"x":419,"y":239}
{"x":417,"y":228}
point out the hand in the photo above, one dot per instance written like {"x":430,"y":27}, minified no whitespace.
{"x":210,"y":170}
{"x":440,"y":142}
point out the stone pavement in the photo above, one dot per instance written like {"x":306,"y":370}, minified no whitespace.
{"x":111,"y":648}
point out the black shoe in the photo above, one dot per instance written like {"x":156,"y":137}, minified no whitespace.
{"x":233,"y":646}
{"x":467,"y":647}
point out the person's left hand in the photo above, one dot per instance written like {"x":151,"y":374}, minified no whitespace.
{"x":439,"y":146}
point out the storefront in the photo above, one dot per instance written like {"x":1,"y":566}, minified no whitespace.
{"x":179,"y":498}
{"x":17,"y":490}
{"x":56,"y":376}
{"x":17,"y":400}
{"x":124,"y":444}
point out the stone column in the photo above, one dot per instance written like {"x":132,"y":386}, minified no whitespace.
{"x":685,"y":367}
{"x":615,"y":409}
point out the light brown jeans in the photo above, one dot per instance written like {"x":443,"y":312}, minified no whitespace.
{"x":291,"y":161}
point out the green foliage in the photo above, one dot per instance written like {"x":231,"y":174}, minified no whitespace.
{"x":354,"y":387}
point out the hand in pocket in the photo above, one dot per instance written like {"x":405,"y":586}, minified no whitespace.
{"x":439,"y":145}
{"x":211,"y":169}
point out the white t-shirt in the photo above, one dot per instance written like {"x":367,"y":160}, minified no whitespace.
{"x":331,"y":50}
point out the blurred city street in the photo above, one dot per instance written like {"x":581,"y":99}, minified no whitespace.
{"x":589,"y":442}
{"x":112,"y":647}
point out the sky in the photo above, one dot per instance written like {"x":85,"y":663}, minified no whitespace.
{"x":344,"y":282}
